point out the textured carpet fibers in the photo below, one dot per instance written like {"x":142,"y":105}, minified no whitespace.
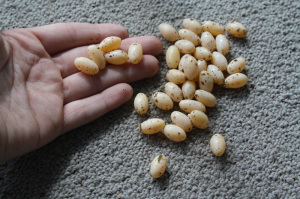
{"x":109,"y":158}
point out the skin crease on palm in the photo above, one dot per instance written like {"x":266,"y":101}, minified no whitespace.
{"x":43,"y":95}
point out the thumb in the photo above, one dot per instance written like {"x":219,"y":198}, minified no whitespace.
{"x":4,"y":51}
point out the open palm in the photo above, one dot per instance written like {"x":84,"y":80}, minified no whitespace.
{"x":42,"y":94}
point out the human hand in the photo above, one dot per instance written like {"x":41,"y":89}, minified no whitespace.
{"x":43,"y":95}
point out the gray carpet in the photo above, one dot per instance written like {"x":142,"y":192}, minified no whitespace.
{"x":109,"y":158}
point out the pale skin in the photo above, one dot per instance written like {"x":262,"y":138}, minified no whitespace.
{"x":43,"y":95}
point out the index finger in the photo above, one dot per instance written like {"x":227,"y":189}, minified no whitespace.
{"x":64,"y":36}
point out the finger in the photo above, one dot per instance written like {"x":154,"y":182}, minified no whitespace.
{"x":79,"y":85}
{"x":65,"y":61}
{"x":63,"y":36}
{"x":83,"y":111}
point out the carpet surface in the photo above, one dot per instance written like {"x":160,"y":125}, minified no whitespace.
{"x":110,"y":158}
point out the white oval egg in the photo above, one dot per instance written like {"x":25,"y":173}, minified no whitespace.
{"x":186,"y":34}
{"x":206,"y":82}
{"x":110,"y":44}
{"x":173,"y":57}
{"x":135,"y":53}
{"x":202,"y":53}
{"x":174,"y":133}
{"x":158,"y":166}
{"x":188,"y":89}
{"x":199,"y":119}
{"x":176,"y":76}
{"x":208,"y":41}
{"x":151,"y":126}
{"x":162,"y":100}
{"x":86,"y":65}
{"x":141,"y":103}
{"x":213,"y":27}
{"x":222,"y":44}
{"x":202,"y":65}
{"x":190,"y":105}
{"x":217,"y":144}
{"x":219,"y":60}
{"x":236,"y":29}
{"x":193,"y":25}
{"x":181,"y":120}
{"x":168,"y":32}
{"x":116,"y":57}
{"x":174,"y":91}
{"x":189,"y":66}
{"x":185,"y":46}
{"x":96,"y":55}
{"x":216,"y":74}
{"x":236,"y":66}
{"x":206,"y":98}
{"x":236,"y":80}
